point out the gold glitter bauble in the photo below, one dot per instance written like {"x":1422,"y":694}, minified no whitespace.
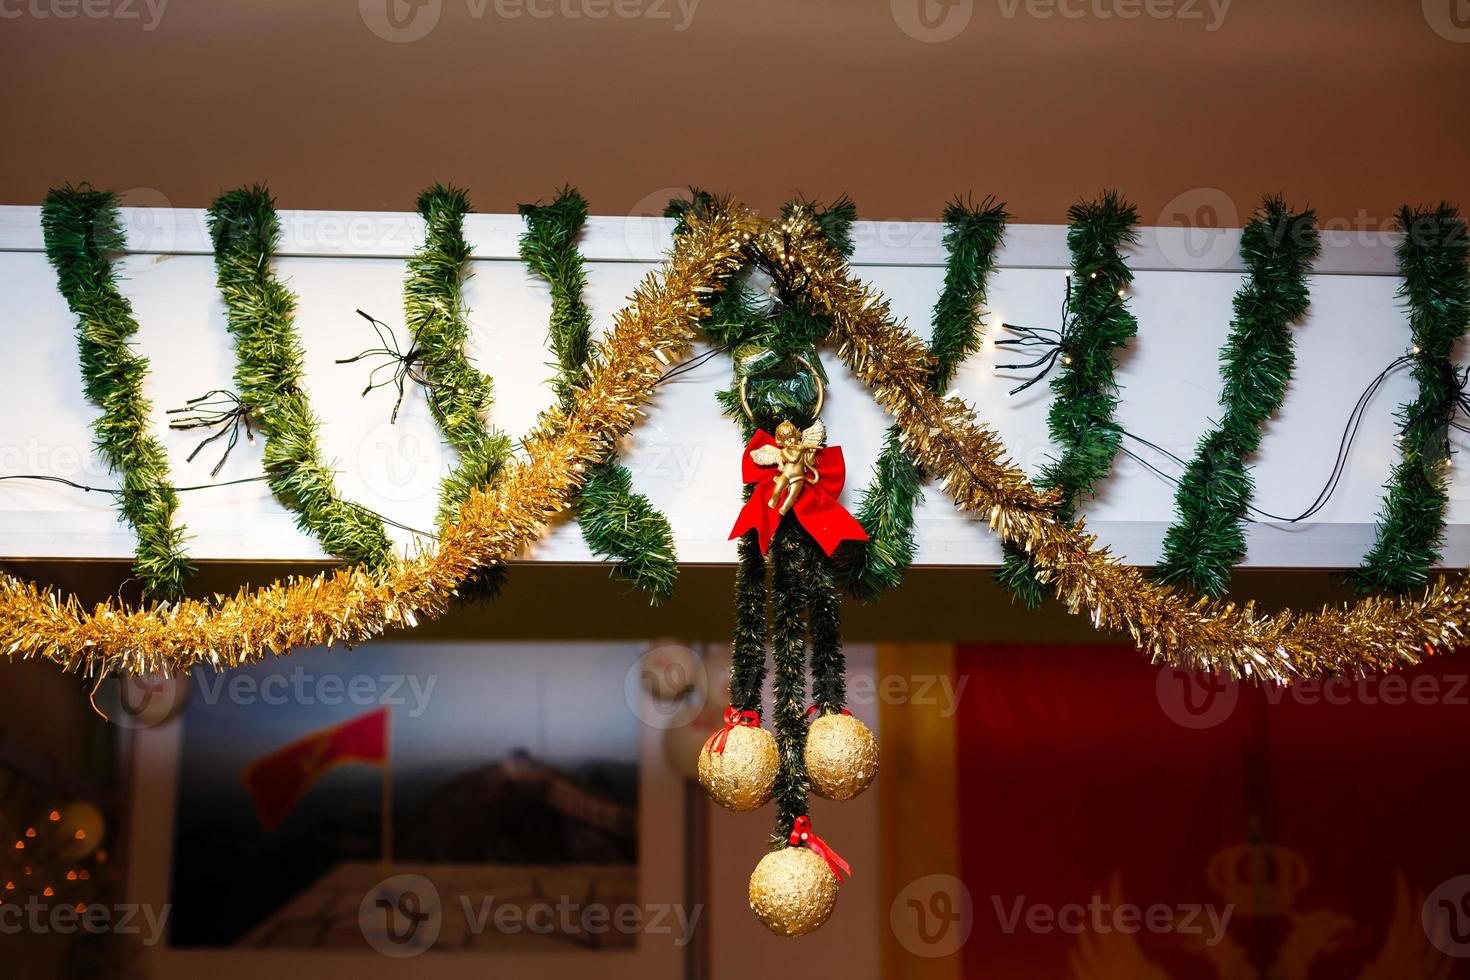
{"x":743,"y":776}
{"x":841,"y":757}
{"x":792,"y":891}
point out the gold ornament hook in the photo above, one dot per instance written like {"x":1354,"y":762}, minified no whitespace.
{"x":821,"y":390}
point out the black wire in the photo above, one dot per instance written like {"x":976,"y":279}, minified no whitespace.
{"x":1339,"y":466}
{"x":114,"y":491}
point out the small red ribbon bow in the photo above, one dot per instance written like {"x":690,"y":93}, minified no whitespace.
{"x":802,"y":836}
{"x":817,"y":508}
{"x":733,"y":716}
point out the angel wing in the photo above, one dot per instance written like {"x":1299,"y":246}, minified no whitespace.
{"x":766,"y":455}
{"x":1111,"y":955}
{"x":815,"y":436}
{"x":1406,"y":949}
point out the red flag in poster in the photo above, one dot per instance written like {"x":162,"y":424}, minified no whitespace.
{"x":276,"y":782}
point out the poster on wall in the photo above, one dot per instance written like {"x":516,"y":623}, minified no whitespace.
{"x":444,"y":796}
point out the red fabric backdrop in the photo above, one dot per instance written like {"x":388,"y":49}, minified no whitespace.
{"x":1321,"y":818}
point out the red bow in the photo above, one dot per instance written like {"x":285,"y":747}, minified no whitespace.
{"x":813,"y":710}
{"x":733,"y":716}
{"x":816,"y":508}
{"x":802,"y":836}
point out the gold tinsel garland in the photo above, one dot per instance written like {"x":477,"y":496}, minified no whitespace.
{"x":654,"y":331}
{"x":971,"y":465}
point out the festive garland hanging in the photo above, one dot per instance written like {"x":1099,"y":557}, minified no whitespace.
{"x":616,"y":523}
{"x":82,"y":231}
{"x":972,"y":237}
{"x":1278,"y":247}
{"x":1096,"y":324}
{"x":791,"y":518}
{"x":1433,"y":262}
{"x":268,"y":374}
{"x":654,"y":331}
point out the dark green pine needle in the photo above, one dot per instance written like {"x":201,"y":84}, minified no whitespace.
{"x":789,"y":592}
{"x":459,"y":395}
{"x":623,"y":527}
{"x":82,"y":232}
{"x":268,"y":377}
{"x":972,"y":239}
{"x":618,"y":525}
{"x":1436,"y":287}
{"x":1081,"y":418}
{"x":1208,"y":538}
{"x":549,"y":248}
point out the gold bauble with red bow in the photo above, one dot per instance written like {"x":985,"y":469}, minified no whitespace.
{"x":792,"y":891}
{"x":841,"y":756}
{"x":738,"y":764}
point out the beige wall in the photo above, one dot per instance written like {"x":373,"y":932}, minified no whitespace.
{"x":1354,"y":106}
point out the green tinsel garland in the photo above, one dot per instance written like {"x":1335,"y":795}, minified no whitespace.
{"x":1432,"y":260}
{"x":82,"y":231}
{"x":1256,"y":363}
{"x":972,"y":237}
{"x":616,"y":523}
{"x":458,"y":395}
{"x":1081,"y":417}
{"x":269,"y":372}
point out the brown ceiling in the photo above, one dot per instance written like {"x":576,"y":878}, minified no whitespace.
{"x":1354,"y":106}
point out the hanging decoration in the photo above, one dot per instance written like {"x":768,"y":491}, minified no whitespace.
{"x":793,"y":889}
{"x":1215,"y":492}
{"x":1433,"y":262}
{"x":1173,"y":628}
{"x":82,"y":233}
{"x":1096,"y":324}
{"x":654,"y":331}
{"x":268,"y":376}
{"x":792,"y":520}
{"x":352,"y":604}
{"x":738,"y":763}
{"x":618,"y":524}
{"x":972,"y":239}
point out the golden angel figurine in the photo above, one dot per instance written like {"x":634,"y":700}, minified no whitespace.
{"x":794,"y":455}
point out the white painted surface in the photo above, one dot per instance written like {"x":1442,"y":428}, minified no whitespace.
{"x":685,"y":456}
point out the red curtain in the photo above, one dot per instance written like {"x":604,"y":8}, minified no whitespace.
{"x":1122,"y":821}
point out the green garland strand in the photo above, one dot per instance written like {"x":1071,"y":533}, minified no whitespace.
{"x":1432,"y":260}
{"x":617,"y":524}
{"x":82,"y":232}
{"x":459,"y":395}
{"x":972,"y":238}
{"x":789,"y":592}
{"x":1256,"y":363}
{"x":1081,"y":418}
{"x":269,"y":372}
